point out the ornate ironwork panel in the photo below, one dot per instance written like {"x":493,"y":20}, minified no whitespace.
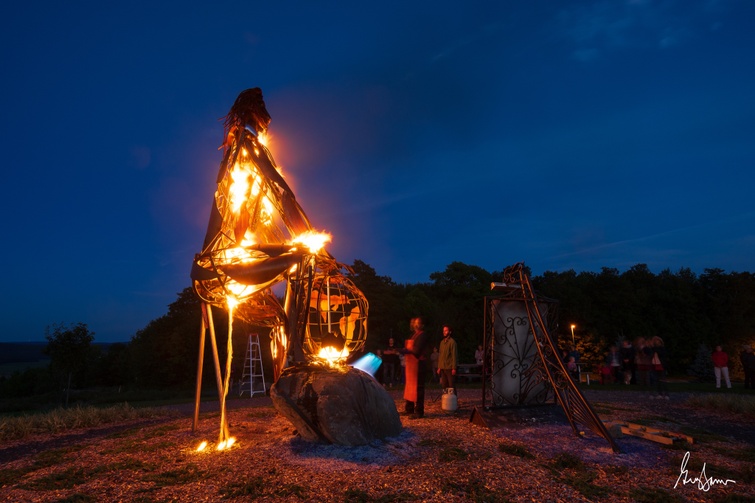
{"x":516,"y":376}
{"x":512,"y":373}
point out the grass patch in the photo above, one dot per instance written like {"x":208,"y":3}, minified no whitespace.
{"x":184,"y":475}
{"x":681,"y":445}
{"x":66,"y":479}
{"x":131,"y":464}
{"x":9,"y":476}
{"x":254,"y":488}
{"x":130,"y":432}
{"x":473,"y":490}
{"x":702,"y":435}
{"x":616,"y":470}
{"x":42,"y":460}
{"x":77,"y":498}
{"x":54,"y":456}
{"x":735,"y":498}
{"x":746,"y":454}
{"x":739,"y":404}
{"x":610,"y":406}
{"x":452,"y":454}
{"x":261,"y":412}
{"x":160,"y":431}
{"x":258,"y":487}
{"x":582,"y":481}
{"x":515,"y":450}
{"x":577,"y":475}
{"x":60,"y":420}
{"x":650,"y":420}
{"x":564,"y":460}
{"x":644,"y":494}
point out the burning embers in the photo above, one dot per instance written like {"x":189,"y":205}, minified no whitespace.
{"x":258,"y":237}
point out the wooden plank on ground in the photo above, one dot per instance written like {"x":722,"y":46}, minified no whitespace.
{"x":648,"y":433}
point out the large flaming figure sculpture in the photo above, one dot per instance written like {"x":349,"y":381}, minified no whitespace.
{"x":258,"y":237}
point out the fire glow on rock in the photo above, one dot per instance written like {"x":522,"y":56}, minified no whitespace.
{"x":258,"y":237}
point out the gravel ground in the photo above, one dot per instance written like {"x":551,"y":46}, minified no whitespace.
{"x":529,"y":455}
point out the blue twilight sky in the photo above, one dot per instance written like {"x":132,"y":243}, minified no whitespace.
{"x":565,"y":134}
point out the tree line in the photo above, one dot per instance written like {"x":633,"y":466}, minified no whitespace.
{"x":692,"y":313}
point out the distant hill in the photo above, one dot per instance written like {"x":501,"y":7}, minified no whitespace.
{"x":31,"y":352}
{"x":22,"y":352}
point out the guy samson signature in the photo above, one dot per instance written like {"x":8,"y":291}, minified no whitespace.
{"x":704,"y":483}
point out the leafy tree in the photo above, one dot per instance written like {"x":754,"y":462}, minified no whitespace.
{"x":113,"y":367}
{"x":385,"y":301}
{"x":458,"y":294}
{"x":607,"y":307}
{"x":70,"y":351}
{"x":29,"y":382}
{"x":164,"y":353}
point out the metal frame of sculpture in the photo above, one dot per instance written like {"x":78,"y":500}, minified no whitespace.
{"x":258,"y":237}
{"x":547,"y":368}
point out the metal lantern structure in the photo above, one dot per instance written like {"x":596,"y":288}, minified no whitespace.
{"x":258,"y":236}
{"x":522,"y":362}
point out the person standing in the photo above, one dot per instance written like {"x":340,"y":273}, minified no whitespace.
{"x":642,"y":358}
{"x":748,"y":365}
{"x":448,"y":360}
{"x":659,"y":367}
{"x":613,"y":361}
{"x":392,"y":363}
{"x":416,"y":368}
{"x":627,"y":361}
{"x":721,"y":366}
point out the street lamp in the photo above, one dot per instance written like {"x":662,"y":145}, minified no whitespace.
{"x":573,"y":326}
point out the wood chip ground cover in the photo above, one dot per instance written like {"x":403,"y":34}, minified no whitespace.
{"x":443,"y":457}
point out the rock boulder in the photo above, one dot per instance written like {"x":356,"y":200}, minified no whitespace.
{"x":335,"y":405}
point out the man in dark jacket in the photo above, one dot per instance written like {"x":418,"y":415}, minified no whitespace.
{"x":448,"y":360}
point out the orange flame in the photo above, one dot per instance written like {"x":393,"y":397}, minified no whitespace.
{"x":332,"y":355}
{"x":226,"y":444}
{"x":314,"y":241}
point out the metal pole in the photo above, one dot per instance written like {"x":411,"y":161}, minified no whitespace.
{"x":224,"y":433}
{"x":200,"y":364}
{"x":214,"y":350}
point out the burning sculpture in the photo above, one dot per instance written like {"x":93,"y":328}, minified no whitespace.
{"x":259,"y":237}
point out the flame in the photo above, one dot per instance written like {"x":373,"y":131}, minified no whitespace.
{"x":280,"y":334}
{"x":239,"y":187}
{"x":202,"y":446}
{"x":314,"y":241}
{"x":332,"y":355}
{"x":226,"y":444}
{"x":232,"y":302}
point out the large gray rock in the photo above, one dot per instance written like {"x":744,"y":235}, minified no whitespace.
{"x":335,"y":405}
